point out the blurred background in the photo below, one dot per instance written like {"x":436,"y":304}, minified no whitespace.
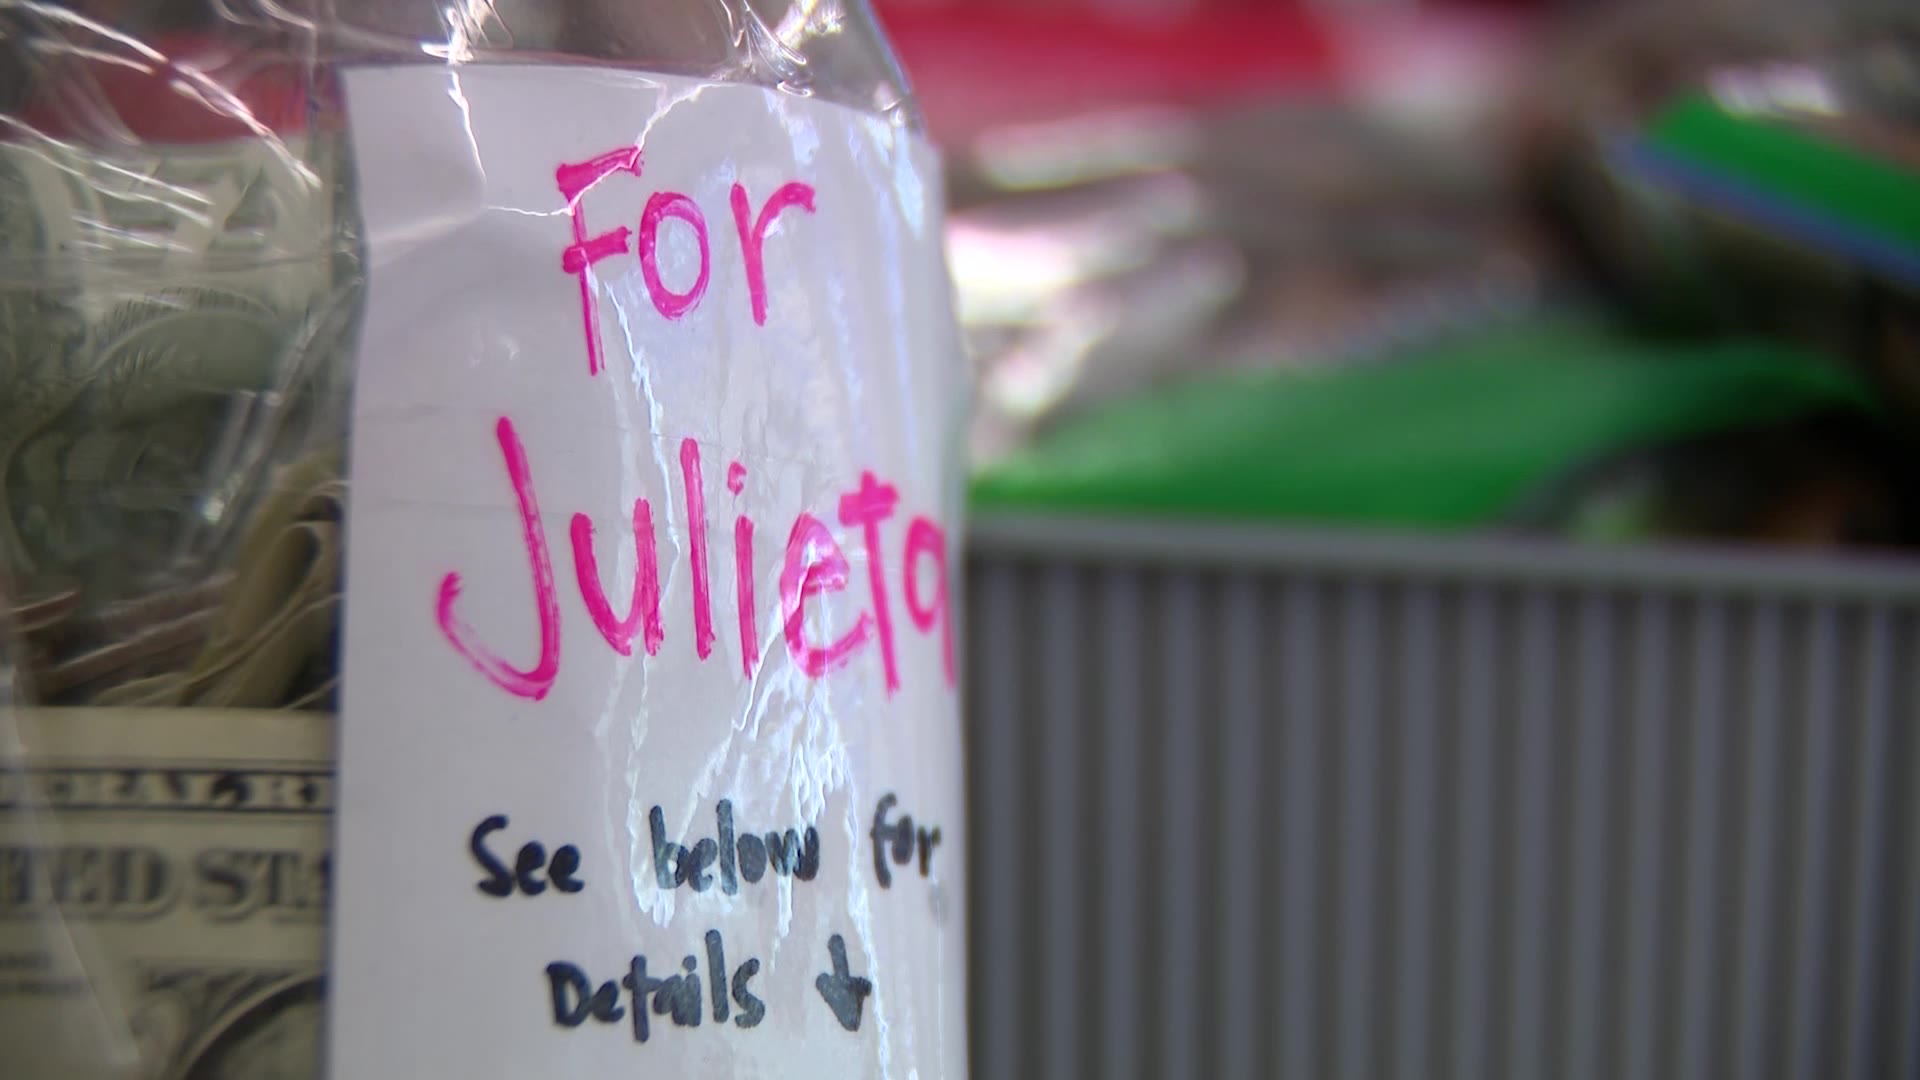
{"x":1444,"y":596}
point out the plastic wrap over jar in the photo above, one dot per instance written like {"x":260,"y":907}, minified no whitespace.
{"x":478,"y":498}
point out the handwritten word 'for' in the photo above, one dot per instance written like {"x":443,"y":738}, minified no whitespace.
{"x":588,"y":248}
{"x":814,"y":565}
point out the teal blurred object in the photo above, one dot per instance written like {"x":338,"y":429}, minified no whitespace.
{"x":1750,"y":172}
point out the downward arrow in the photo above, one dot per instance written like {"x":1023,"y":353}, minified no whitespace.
{"x":844,"y":991}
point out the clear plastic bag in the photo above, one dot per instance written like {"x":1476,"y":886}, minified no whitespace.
{"x":216,"y":219}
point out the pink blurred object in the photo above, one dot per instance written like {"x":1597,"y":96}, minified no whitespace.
{"x":977,"y":68}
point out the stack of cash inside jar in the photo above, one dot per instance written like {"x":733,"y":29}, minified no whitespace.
{"x":172,"y":327}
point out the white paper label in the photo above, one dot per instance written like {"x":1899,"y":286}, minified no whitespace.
{"x":650,"y":741}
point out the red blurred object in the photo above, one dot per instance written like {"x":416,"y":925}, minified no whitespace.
{"x":974,"y":68}
{"x":979,"y":66}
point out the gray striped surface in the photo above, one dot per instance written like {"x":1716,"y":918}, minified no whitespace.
{"x":1317,"y":807}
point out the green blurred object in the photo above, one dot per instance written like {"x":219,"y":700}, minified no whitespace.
{"x":1449,"y":437}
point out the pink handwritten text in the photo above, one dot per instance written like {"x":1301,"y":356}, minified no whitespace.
{"x":578,"y":259}
{"x":815,"y":565}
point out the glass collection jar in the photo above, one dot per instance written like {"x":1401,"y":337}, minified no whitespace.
{"x":191,"y":284}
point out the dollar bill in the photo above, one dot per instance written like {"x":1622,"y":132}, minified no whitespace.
{"x":164,"y":886}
